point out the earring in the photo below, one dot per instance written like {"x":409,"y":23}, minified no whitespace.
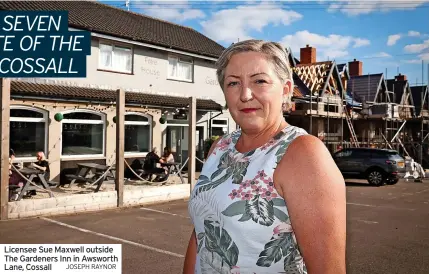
{"x":284,"y":104}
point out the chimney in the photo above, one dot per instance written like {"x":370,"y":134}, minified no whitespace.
{"x":355,"y":68}
{"x":400,"y":77}
{"x":308,"y":55}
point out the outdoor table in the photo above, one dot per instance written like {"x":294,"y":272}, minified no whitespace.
{"x":31,"y":174}
{"x":82,"y":174}
{"x":174,"y":167}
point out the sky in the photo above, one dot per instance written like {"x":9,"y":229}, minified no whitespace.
{"x":386,"y":35}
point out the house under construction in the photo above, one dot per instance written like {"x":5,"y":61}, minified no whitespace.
{"x":346,"y":108}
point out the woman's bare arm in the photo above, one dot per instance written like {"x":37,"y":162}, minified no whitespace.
{"x":314,"y":190}
{"x":191,"y":254}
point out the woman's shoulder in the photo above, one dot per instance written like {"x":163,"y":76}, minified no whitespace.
{"x":288,"y":135}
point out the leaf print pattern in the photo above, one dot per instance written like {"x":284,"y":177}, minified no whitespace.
{"x":260,"y":210}
{"x":275,"y":250}
{"x":220,"y":253}
{"x":212,"y":263}
{"x":232,"y":166}
{"x":282,"y":245}
{"x":236,"y":188}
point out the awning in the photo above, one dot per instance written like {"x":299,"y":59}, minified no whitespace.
{"x":51,"y":92}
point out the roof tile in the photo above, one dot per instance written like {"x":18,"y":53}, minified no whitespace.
{"x":105,"y":19}
{"x":364,"y":87}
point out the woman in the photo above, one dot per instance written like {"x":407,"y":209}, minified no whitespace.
{"x":168,"y":156}
{"x":270,"y":198}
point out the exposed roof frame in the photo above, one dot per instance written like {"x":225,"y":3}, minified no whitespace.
{"x":407,"y":94}
{"x":331,"y":73}
{"x":382,"y":81}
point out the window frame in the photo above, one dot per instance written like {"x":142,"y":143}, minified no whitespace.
{"x":218,"y":125}
{"x":113,"y":45}
{"x":45,"y":119}
{"x":178,"y":57}
{"x":92,"y":122}
{"x":149,"y":123}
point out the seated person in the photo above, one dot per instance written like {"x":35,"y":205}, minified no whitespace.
{"x":42,"y":164}
{"x":14,"y":178}
{"x":168,"y":156}
{"x":150,"y":165}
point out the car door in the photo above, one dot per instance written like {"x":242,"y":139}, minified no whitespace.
{"x":358,"y":161}
{"x":342,"y":159}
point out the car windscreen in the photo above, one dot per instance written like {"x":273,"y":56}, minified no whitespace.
{"x":393,"y":155}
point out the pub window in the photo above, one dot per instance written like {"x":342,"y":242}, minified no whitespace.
{"x":219,"y":127}
{"x":83,"y":133}
{"x":138,"y":132}
{"x":28,"y":131}
{"x":180,"y":68}
{"x":115,"y":58}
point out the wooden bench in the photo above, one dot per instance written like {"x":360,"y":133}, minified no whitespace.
{"x":73,"y":178}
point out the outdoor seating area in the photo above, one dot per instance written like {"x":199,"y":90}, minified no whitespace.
{"x":31,"y":182}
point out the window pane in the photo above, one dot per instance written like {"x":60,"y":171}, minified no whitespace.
{"x":27,"y":138}
{"x":184,"y":71}
{"x":172,"y":67}
{"x":25,"y":113}
{"x":219,"y":122}
{"x":122,"y":59}
{"x":137,"y":138}
{"x":217,"y":131}
{"x":81,"y":139}
{"x":134,"y":117}
{"x":82,"y":116}
{"x":105,"y":55}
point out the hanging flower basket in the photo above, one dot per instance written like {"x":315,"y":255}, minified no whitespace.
{"x":58,"y":117}
{"x":162,"y":120}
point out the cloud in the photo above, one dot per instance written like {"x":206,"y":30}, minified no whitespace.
{"x":353,"y":8}
{"x":424,"y":56}
{"x":359,"y":42}
{"x":417,"y":48}
{"x":180,"y":11}
{"x":412,"y":33}
{"x":331,"y":46}
{"x":379,"y":55}
{"x":392,"y":39}
{"x":228,"y":25}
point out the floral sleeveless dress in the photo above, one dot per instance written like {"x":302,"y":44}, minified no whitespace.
{"x":241,"y":222}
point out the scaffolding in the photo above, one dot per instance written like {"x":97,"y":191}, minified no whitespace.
{"x":387,"y":130}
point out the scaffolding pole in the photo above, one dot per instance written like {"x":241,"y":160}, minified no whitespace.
{"x":328,"y":108}
{"x":311,"y":112}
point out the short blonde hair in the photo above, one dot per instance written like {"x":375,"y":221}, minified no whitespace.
{"x":276,"y":53}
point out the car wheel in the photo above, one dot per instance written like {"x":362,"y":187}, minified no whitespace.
{"x":376,"y":177}
{"x":393,"y":182}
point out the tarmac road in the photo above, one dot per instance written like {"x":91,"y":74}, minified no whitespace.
{"x":387,"y":231}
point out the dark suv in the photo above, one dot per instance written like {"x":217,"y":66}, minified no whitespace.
{"x":378,"y":166}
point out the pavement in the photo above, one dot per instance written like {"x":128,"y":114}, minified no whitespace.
{"x":387,"y":231}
